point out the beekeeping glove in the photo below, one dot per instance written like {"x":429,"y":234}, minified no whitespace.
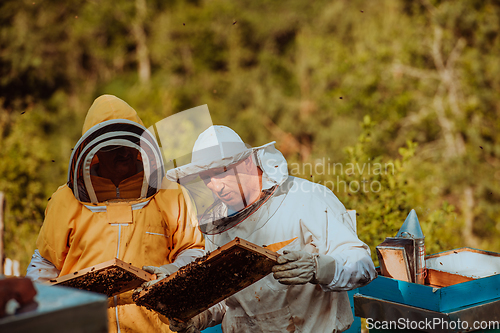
{"x":188,"y":327}
{"x":161,"y":273}
{"x":300,"y":267}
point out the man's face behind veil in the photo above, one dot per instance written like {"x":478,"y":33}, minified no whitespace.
{"x":237,"y":185}
{"x":118,"y":162}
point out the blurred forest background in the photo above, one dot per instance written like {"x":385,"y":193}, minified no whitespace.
{"x":413,"y":84}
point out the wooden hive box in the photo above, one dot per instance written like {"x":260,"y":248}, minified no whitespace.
{"x":208,"y":280}
{"x":111,"y":278}
{"x":455,"y":279}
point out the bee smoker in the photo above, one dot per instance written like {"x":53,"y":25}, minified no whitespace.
{"x":411,"y":229}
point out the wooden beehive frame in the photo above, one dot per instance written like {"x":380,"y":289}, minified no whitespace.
{"x":208,"y":280}
{"x":111,"y":278}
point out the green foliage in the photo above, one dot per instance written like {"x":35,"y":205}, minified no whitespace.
{"x":383,"y":191}
{"x":21,"y":158}
{"x":422,"y":77}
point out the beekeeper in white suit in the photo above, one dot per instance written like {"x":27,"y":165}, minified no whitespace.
{"x":253,"y":197}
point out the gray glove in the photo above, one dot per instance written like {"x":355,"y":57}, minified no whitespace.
{"x":177,"y":326}
{"x":161,"y":273}
{"x":300,"y":267}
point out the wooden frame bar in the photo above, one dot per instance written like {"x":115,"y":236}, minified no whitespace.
{"x":111,"y":278}
{"x":441,"y":279}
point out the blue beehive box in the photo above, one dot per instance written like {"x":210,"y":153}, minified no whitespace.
{"x":473,"y":274}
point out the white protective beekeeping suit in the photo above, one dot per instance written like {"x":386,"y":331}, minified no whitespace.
{"x":297,"y":209}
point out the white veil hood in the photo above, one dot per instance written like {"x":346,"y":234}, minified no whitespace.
{"x":219,"y":146}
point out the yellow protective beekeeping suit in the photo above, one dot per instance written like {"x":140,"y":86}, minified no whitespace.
{"x":142,"y":226}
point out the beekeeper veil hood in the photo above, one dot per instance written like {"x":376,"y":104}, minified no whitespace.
{"x":217,"y":151}
{"x":110,"y":124}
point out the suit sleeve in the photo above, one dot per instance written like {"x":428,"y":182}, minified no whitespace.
{"x":186,"y":238}
{"x":54,"y":237}
{"x":330,"y":229}
{"x":354,"y":267}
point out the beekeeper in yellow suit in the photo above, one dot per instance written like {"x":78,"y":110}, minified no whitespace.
{"x":113,"y":207}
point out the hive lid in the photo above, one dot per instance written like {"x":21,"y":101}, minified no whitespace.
{"x":59,"y":310}
{"x":466,"y":261}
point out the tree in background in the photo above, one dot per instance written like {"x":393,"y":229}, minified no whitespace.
{"x":422,"y":77}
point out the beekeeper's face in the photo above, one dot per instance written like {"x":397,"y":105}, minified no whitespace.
{"x":117,"y":162}
{"x":237,"y":185}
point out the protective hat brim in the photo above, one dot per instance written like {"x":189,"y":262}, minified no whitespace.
{"x":189,"y":171}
